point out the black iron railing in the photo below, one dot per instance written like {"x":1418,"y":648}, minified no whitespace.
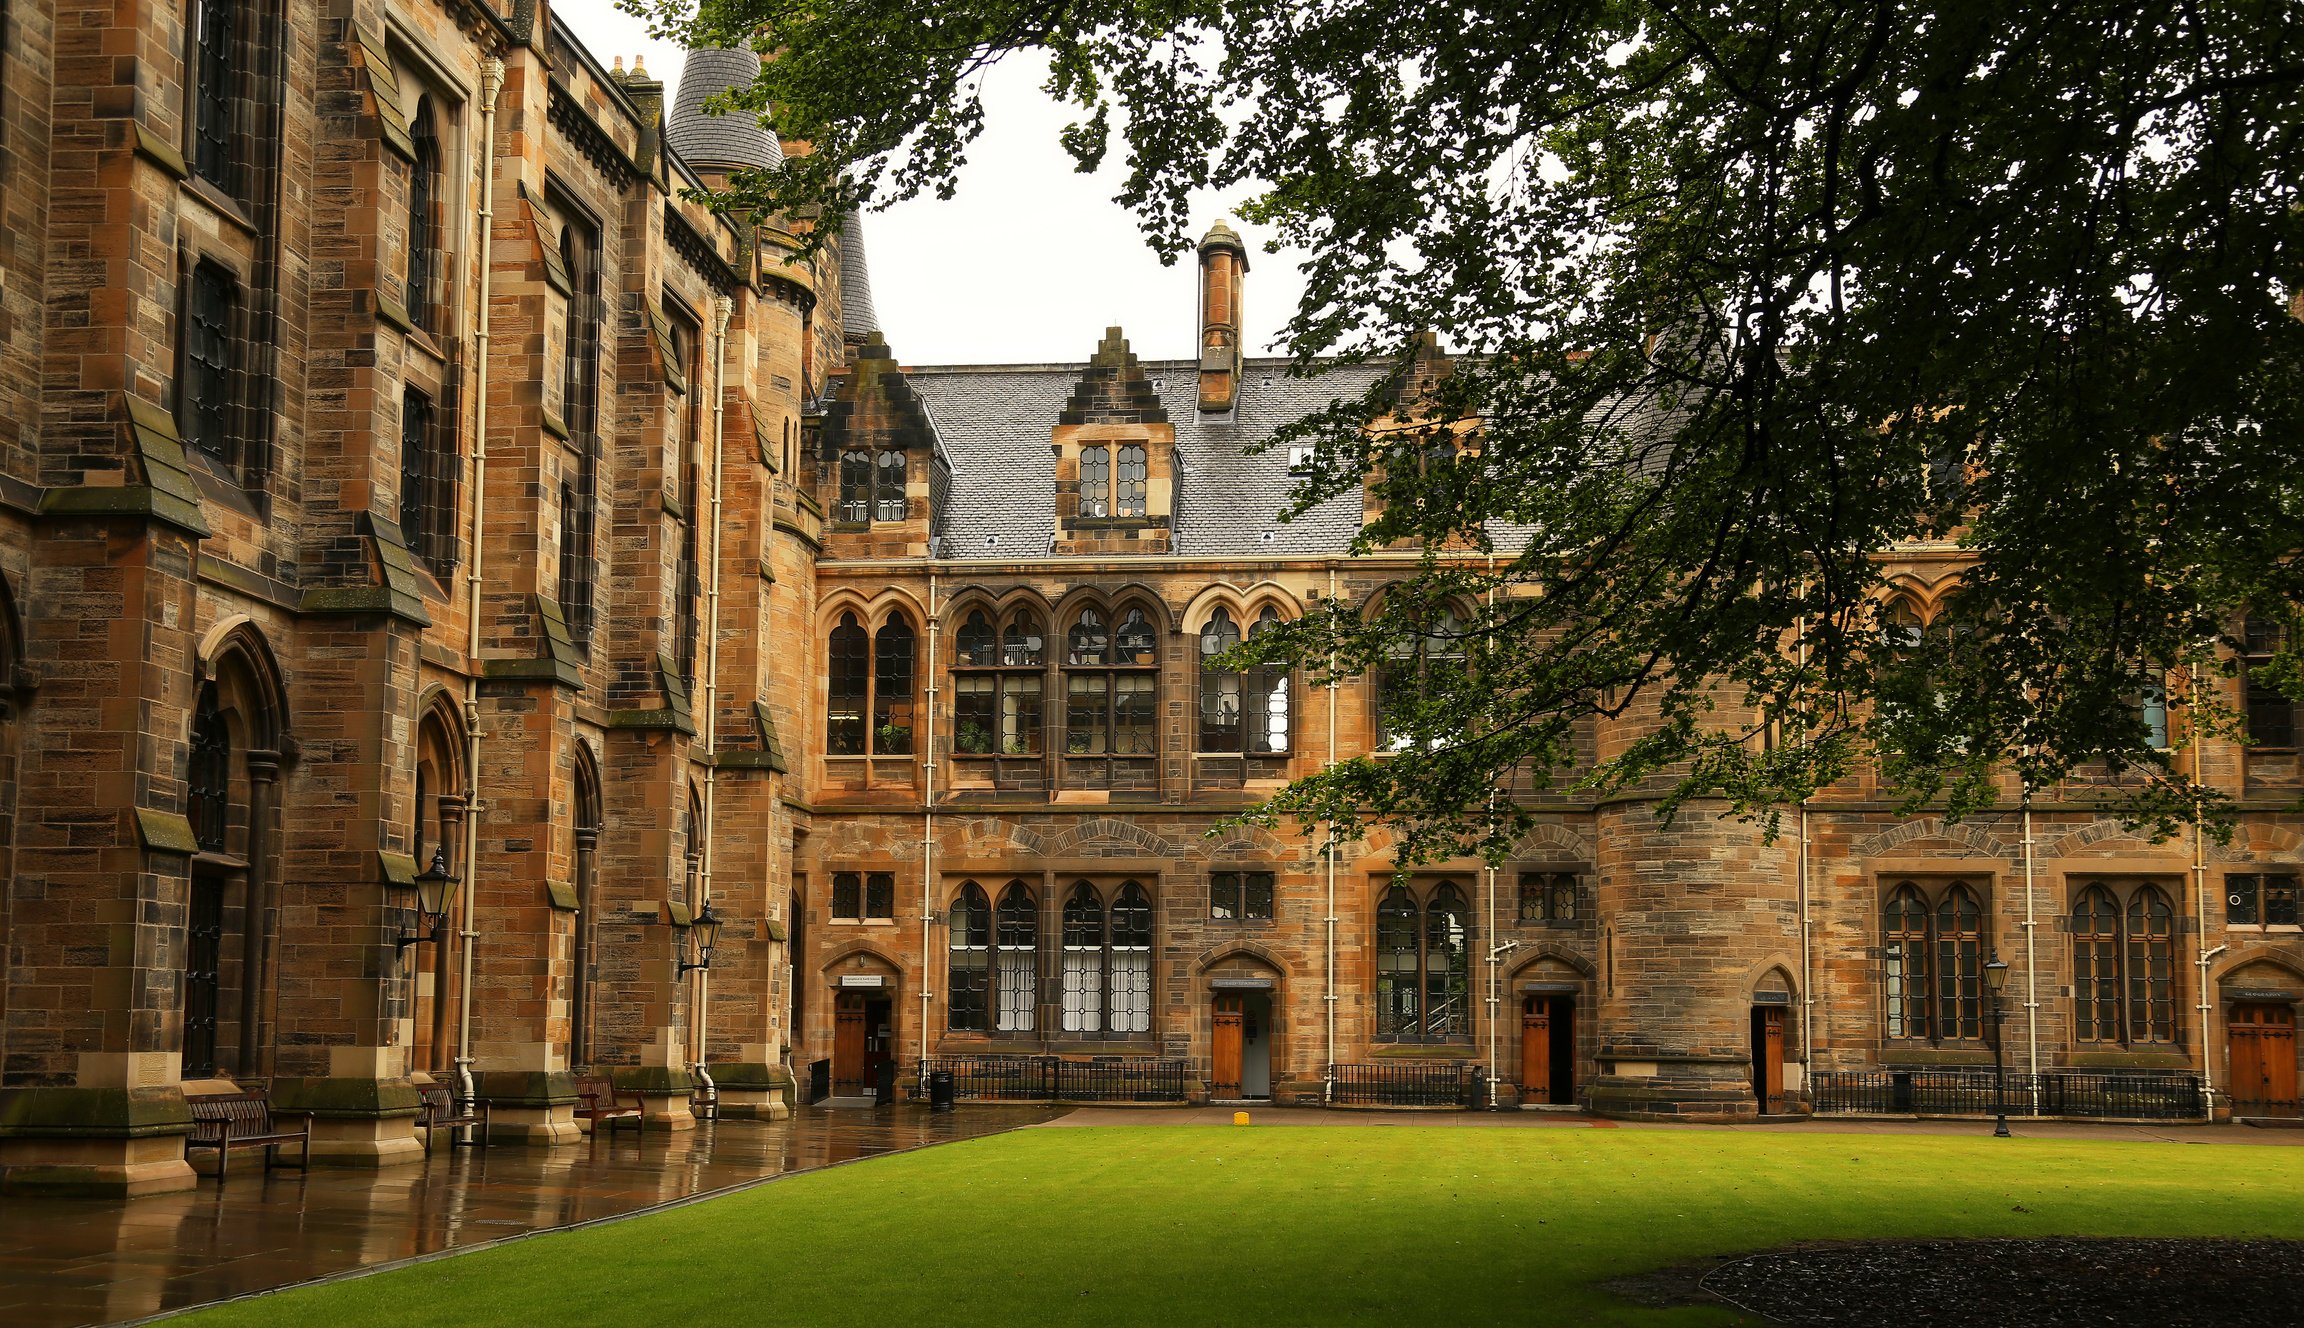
{"x":1968,"y":1091}
{"x":1407,"y":1084}
{"x":1017,"y":1078}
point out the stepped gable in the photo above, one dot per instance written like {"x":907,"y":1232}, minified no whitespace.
{"x":1114,"y":389}
{"x":875,"y":403}
{"x":705,"y":140}
{"x":859,"y":322}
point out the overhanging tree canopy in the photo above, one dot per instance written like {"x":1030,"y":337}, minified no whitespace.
{"x":1743,"y":297}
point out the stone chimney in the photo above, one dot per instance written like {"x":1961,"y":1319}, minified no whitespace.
{"x":1223,"y":261}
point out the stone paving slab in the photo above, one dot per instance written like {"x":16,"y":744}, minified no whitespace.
{"x":1475,"y":1120}
{"x":68,"y":1262}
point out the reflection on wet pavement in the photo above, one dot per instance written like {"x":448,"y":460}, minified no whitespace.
{"x":83,"y":1261}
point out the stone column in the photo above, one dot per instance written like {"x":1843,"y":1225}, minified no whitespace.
{"x":580,"y":982}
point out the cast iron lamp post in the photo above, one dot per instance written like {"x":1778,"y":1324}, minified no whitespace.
{"x":431,"y":902}
{"x":1996,"y":982}
{"x":706,"y":930}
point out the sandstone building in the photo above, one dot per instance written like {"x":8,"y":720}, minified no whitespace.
{"x":402,"y":479}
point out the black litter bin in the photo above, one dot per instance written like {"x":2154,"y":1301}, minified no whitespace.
{"x":943,"y":1090}
{"x":884,"y":1084}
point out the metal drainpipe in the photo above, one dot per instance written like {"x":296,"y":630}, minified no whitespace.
{"x":928,"y":810}
{"x":2200,"y":905}
{"x":720,"y":313}
{"x":1495,"y":960}
{"x":491,"y":84}
{"x":1495,"y":952}
{"x":1328,"y":1076}
{"x":2031,"y":959}
{"x":1807,"y":978}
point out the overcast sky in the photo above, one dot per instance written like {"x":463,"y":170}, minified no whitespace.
{"x":945,"y":276}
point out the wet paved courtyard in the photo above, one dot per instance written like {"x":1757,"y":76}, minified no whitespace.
{"x":82,"y":1261}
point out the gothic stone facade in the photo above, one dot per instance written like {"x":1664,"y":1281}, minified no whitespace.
{"x":283,"y":639}
{"x":400,"y":478}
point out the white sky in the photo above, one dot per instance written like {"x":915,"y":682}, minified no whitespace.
{"x":1030,"y":261}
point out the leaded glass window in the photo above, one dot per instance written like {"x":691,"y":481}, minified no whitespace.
{"x":855,"y":487}
{"x":216,"y":92}
{"x":1235,"y":896}
{"x":1423,"y":964}
{"x":848,"y":687}
{"x":211,"y":366}
{"x":1095,"y":481}
{"x":968,"y":983}
{"x":423,"y":221}
{"x":890,"y":502}
{"x":208,"y":776}
{"x":1017,"y":955}
{"x":1083,"y":960}
{"x":1128,"y":492}
{"x":2096,"y":966}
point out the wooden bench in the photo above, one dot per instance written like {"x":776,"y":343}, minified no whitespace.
{"x":598,"y":1101}
{"x":226,"y":1121}
{"x":440,"y":1113}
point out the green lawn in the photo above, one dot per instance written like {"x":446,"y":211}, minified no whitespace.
{"x":1179,"y":1226}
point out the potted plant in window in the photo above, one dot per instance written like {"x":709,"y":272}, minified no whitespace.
{"x":895,"y":738}
{"x":974,"y":739}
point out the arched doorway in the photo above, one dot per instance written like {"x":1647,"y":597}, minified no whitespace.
{"x":1551,"y":995}
{"x":2260,"y":1040}
{"x":436,"y":840}
{"x":588,"y":826}
{"x":1771,"y":1038}
{"x":231,"y":777}
{"x":863,"y":990}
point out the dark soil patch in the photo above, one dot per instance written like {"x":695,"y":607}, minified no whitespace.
{"x":2009,"y":1283}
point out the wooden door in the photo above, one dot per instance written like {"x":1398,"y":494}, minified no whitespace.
{"x":1768,"y":1055}
{"x":1536,"y":1049}
{"x":848,"y":1040}
{"x":1225,"y":1076}
{"x":2264,"y":1058}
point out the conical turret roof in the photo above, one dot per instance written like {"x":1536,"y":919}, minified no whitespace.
{"x":706,"y":141}
{"x":858,"y":322}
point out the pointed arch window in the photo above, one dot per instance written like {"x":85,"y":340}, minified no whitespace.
{"x":1413,"y":669}
{"x":580,"y":505}
{"x":2096,"y":966}
{"x":1111,"y":686}
{"x":848,"y":687}
{"x":1423,"y":964}
{"x":996,"y":685}
{"x":423,"y":219}
{"x":1107,"y":960}
{"x":1243,"y":711}
{"x":1933,"y":944}
{"x":892,"y":653}
{"x":2151,"y":968}
{"x":2124,"y":988}
{"x":1016,"y":938}
{"x":968,"y":981}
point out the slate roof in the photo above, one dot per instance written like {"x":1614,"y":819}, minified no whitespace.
{"x":995,"y":422}
{"x":705,"y":140}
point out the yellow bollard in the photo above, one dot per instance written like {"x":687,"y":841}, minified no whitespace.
{"x":1239,"y":1118}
